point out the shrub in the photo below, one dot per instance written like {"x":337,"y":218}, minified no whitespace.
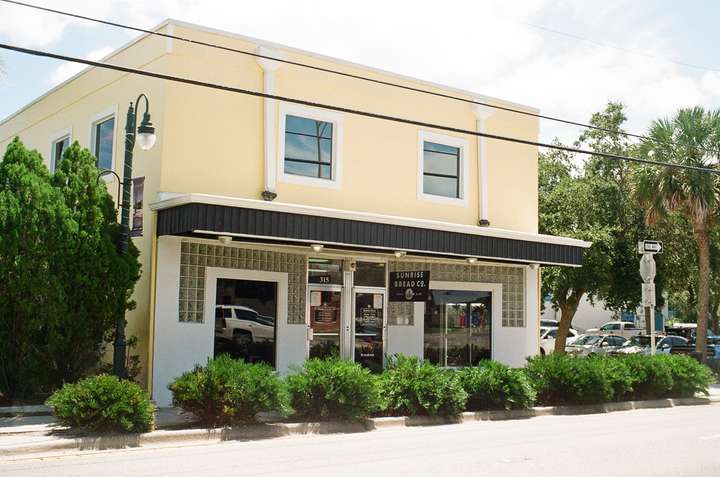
{"x":411,"y":386}
{"x":653,"y":376}
{"x":689,"y":377}
{"x":228,"y":391}
{"x":333,"y":388}
{"x":492,"y":385}
{"x":560,"y":379}
{"x":103,"y":404}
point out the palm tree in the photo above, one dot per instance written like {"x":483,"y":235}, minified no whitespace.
{"x":690,"y":138}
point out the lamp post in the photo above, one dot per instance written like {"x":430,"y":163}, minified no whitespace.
{"x":145,"y":137}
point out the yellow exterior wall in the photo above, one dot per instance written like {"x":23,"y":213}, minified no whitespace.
{"x":211,"y":141}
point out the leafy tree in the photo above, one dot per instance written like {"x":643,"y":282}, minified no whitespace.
{"x":35,"y":227}
{"x":685,"y":139}
{"x":98,"y":280}
{"x":62,"y":278}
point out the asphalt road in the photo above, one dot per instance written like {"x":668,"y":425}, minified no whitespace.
{"x":682,"y":441}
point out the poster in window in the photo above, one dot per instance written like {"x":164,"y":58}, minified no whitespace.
{"x":137,"y":218}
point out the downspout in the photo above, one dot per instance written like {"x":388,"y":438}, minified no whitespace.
{"x":482,"y":113}
{"x":270,"y":119}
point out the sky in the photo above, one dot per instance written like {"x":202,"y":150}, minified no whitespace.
{"x":565,"y":57}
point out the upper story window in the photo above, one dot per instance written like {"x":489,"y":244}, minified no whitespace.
{"x":57,"y":149}
{"x":442,"y":175}
{"x":104,"y":142}
{"x":310,"y":146}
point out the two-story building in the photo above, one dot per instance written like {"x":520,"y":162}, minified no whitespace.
{"x":275,"y":232}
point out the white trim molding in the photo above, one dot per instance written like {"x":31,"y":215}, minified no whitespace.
{"x":55,"y":138}
{"x":111,"y":112}
{"x":454,"y":141}
{"x":337,"y":145}
{"x":269,"y":115}
{"x":482,"y":113}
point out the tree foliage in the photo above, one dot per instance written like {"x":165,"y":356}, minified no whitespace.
{"x":62,"y":278}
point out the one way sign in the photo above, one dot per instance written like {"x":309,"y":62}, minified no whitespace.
{"x":650,"y":246}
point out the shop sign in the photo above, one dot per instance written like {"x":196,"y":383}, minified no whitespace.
{"x":409,"y":286}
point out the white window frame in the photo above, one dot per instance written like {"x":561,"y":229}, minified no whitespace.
{"x":54,"y":139}
{"x":463,"y":145}
{"x":337,"y":145}
{"x":109,"y":113}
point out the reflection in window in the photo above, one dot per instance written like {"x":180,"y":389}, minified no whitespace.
{"x":58,"y":149}
{"x":308,"y":147}
{"x":245,"y":312}
{"x":104,"y":137}
{"x":441,"y":170}
{"x":325,"y":323}
{"x":458,"y":327}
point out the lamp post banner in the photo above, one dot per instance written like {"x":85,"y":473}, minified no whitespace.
{"x":137,"y":216}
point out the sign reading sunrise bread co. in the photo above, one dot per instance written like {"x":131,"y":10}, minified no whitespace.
{"x":409,"y":286}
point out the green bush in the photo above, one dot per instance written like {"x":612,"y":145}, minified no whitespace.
{"x":411,"y":386}
{"x":492,"y":385}
{"x":688,"y":375}
{"x":653,"y":376}
{"x":103,"y":404}
{"x":228,"y":391}
{"x":560,"y":379}
{"x":333,"y":388}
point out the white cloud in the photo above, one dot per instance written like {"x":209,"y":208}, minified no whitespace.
{"x":66,"y":69}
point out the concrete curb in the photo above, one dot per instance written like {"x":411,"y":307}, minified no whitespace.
{"x":34,"y":410}
{"x":52,"y":443}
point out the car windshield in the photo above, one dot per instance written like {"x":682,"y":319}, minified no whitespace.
{"x":588,"y":340}
{"x":638,"y":340}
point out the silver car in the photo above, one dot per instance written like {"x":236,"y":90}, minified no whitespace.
{"x":594,"y":344}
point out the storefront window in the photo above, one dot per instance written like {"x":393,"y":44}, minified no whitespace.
{"x":370,"y":274}
{"x":245,"y":312}
{"x":325,"y":271}
{"x":325,"y":323}
{"x":458,"y":327}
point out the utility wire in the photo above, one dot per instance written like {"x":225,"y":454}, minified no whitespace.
{"x":385,"y":117}
{"x":340,"y":73}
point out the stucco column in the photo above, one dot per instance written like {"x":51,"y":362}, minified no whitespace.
{"x":270,"y":118}
{"x":482,"y":113}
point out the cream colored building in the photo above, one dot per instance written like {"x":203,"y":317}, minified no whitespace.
{"x":274,"y":231}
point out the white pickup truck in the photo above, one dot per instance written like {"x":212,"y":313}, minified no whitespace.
{"x":620,"y":328}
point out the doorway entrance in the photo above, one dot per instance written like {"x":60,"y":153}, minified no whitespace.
{"x":458,"y":327}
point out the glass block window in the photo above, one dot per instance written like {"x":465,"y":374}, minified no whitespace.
{"x":308,"y":147}
{"x":195,"y":257}
{"x":441,"y":170}
{"x":512,"y":279}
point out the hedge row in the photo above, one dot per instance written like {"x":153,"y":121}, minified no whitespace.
{"x":230,"y":392}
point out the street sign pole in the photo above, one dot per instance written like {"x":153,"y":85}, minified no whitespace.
{"x":647,"y":249}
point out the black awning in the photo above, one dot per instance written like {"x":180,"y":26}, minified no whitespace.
{"x":288,"y":227}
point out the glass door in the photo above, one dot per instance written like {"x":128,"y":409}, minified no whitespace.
{"x":369,"y":327}
{"x":325,"y":312}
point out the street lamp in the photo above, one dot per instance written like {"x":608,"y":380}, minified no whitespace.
{"x":145,"y":136}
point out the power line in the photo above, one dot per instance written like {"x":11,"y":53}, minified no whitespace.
{"x":340,"y":73}
{"x":342,"y":109}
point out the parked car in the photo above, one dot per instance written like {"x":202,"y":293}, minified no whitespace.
{"x":620,"y":328}
{"x":640,"y":344}
{"x":547,"y":339}
{"x":241,"y":324}
{"x":549,"y":323}
{"x":689,"y":332}
{"x":594,"y":344}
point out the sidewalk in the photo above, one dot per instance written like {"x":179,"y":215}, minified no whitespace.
{"x":21,"y":436}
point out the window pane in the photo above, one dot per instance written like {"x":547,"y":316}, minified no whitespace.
{"x":325,"y":172}
{"x":301,"y":168}
{"x":370,"y":274}
{"x":104,"y":134}
{"x":307,"y":126}
{"x":326,"y":150}
{"x":442,"y":186}
{"x":325,"y":271}
{"x":432,"y":146}
{"x":437,"y":163}
{"x":301,"y":147}
{"x":60,"y":147}
{"x":248,"y":331}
